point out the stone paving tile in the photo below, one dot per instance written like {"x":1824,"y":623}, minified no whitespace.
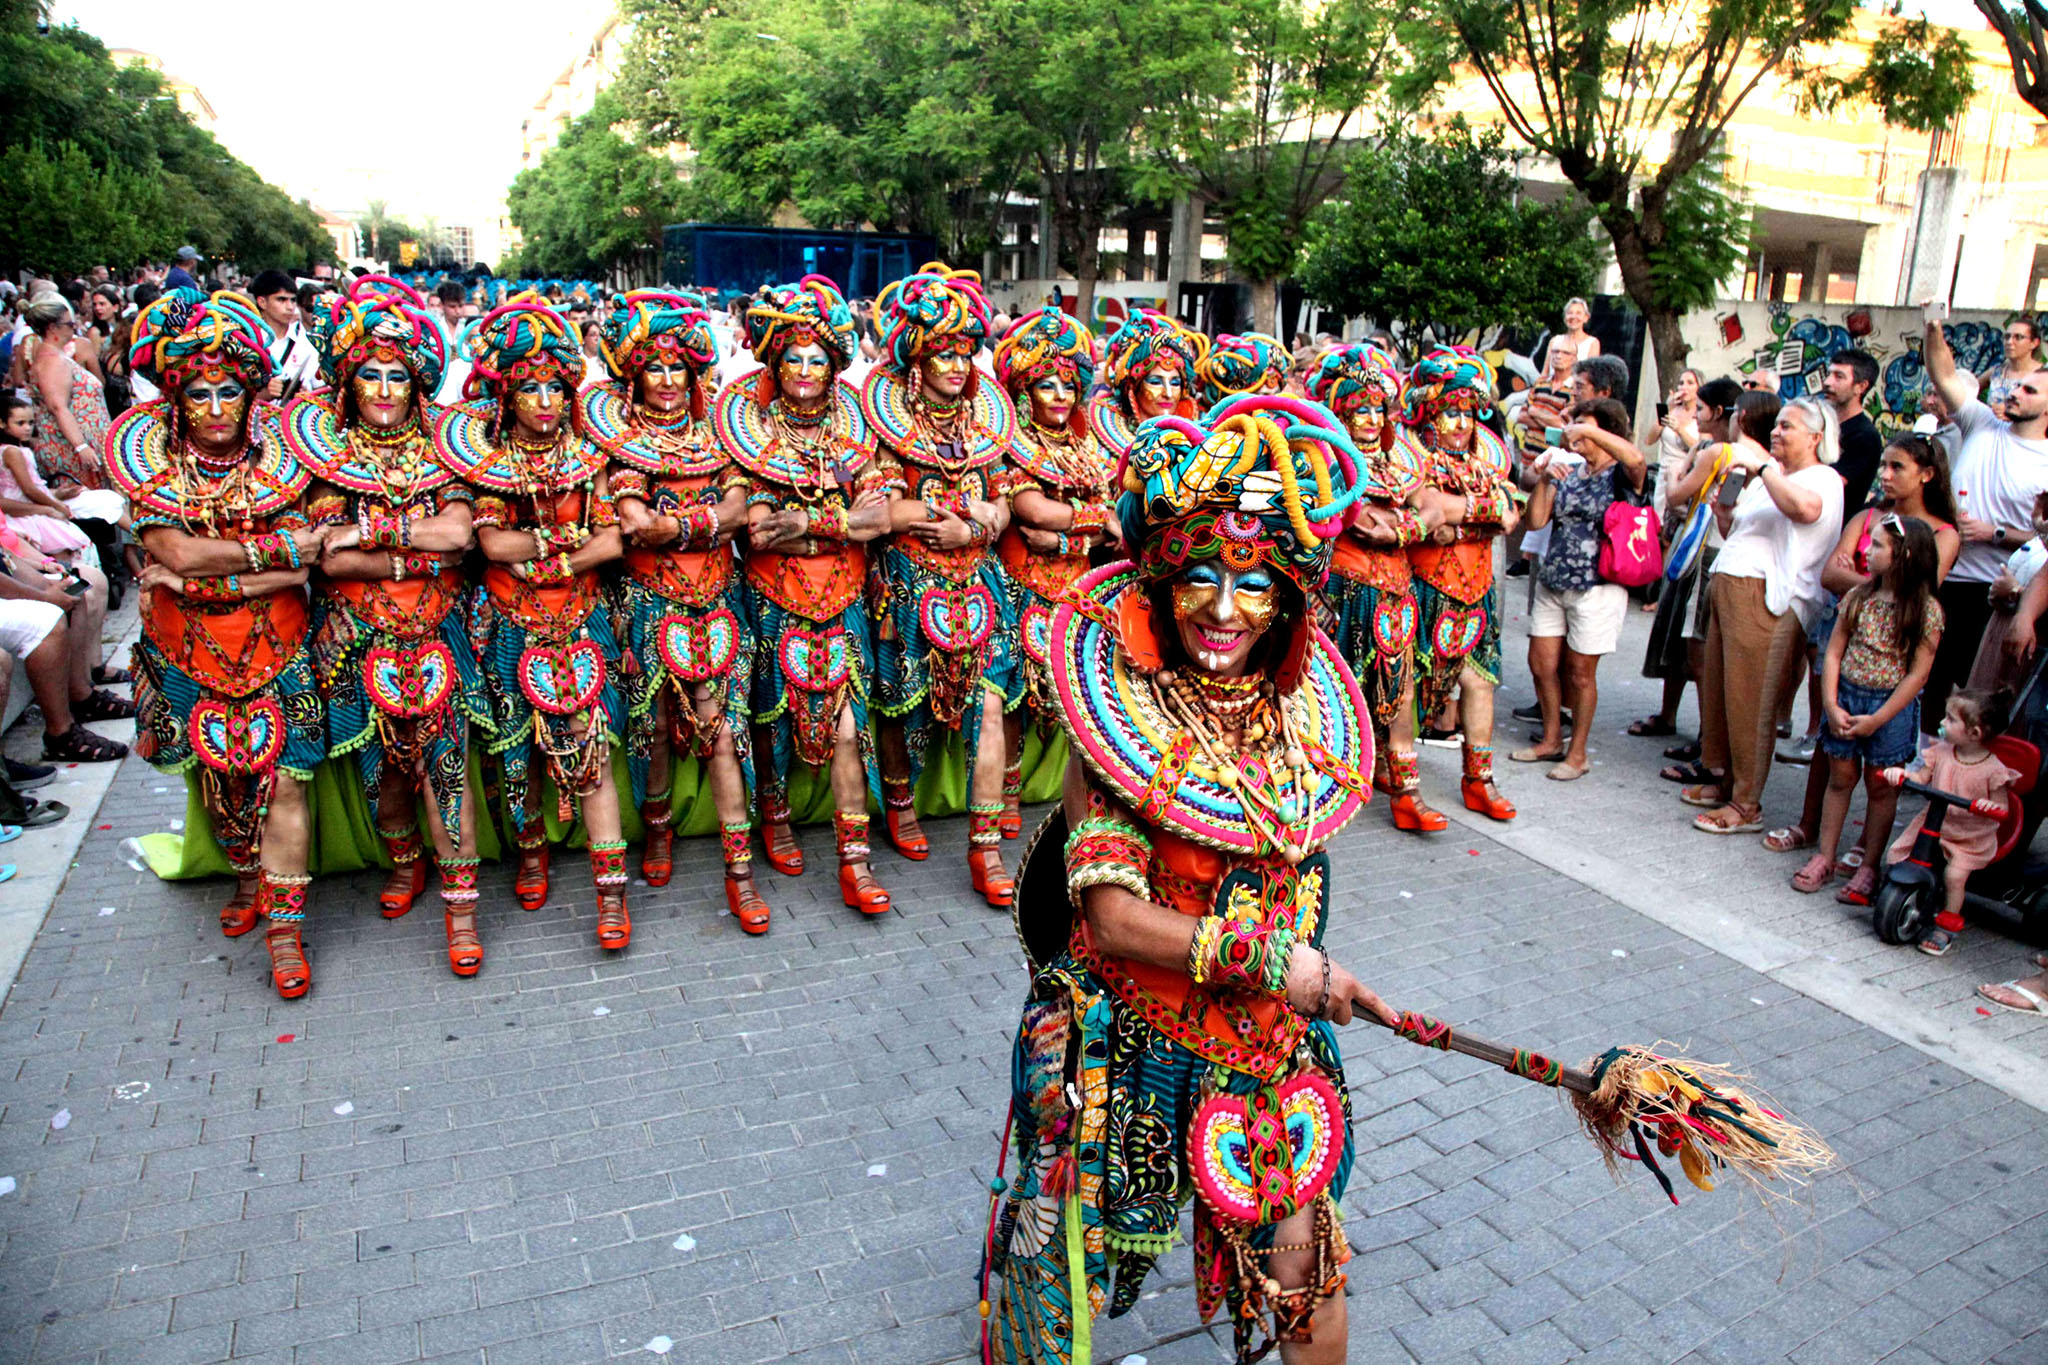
{"x":517,"y":1168}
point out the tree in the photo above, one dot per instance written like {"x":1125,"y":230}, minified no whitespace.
{"x":102,"y":167}
{"x":595,"y":198}
{"x":1589,"y":82}
{"x":1436,"y":234}
{"x":2023,"y":24}
{"x":1078,"y":78}
{"x":1264,"y":136}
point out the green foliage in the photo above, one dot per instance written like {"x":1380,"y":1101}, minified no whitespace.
{"x":596,"y":197}
{"x":100,"y":166}
{"x":1437,"y":234}
{"x":1706,"y":230}
{"x":1918,"y":77}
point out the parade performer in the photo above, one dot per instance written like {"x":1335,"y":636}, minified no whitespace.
{"x":1457,"y":642}
{"x":1252,"y":363}
{"x":545,"y":521}
{"x":1060,"y":504}
{"x":688,"y":648}
{"x":224,"y":685}
{"x":1148,"y":364}
{"x":1183,"y":1005}
{"x":815,"y":498}
{"x":1371,"y":597}
{"x":946,"y":626}
{"x":390,"y":638}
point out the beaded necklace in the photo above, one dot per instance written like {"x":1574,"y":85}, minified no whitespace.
{"x":1265,"y":765}
{"x":807,"y":432}
{"x":944,"y":422}
{"x":399,"y":458}
{"x":1069,"y":456}
{"x":227,"y":498}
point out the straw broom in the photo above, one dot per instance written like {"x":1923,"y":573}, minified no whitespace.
{"x":1637,"y":1104}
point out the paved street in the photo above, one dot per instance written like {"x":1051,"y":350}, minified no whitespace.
{"x":774,"y":1149}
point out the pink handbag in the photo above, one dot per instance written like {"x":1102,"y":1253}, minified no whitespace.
{"x":1630,"y":551}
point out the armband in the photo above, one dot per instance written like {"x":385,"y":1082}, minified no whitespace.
{"x":828,"y":519}
{"x":1242,"y":956}
{"x":227,"y":589}
{"x":1105,"y":850}
{"x":1089,"y":519}
{"x":492,"y":512}
{"x":629,"y":483}
{"x":329,"y":509}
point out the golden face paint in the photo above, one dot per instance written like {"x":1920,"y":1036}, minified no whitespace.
{"x":803,"y":372}
{"x":382,"y":390}
{"x":945,"y":372}
{"x":1052,"y":400}
{"x":665,"y":385}
{"x":1161,"y":391}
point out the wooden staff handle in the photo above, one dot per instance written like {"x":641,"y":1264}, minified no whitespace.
{"x":1511,"y":1060}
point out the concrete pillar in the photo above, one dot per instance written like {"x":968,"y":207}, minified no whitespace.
{"x":1813,"y":278}
{"x":1184,"y":262}
{"x":1048,"y":253}
{"x":1940,"y":202}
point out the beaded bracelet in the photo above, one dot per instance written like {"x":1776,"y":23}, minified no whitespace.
{"x":1234,"y":954}
{"x":398,"y":568}
{"x":226,"y":589}
{"x":422,"y":566}
{"x":629,"y":483}
{"x":828,"y":520}
{"x":1089,"y":519}
{"x":1063,"y":551}
{"x":1104,"y":850}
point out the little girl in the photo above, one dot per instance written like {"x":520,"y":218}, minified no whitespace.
{"x":31,"y":510}
{"x":1877,"y":660}
{"x":1961,"y":763}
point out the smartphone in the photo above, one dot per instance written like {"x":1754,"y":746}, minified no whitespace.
{"x":1934,"y":310}
{"x":1731,"y":486}
{"x":74,"y":586}
{"x":1553,"y":436}
{"x":1663,"y":411}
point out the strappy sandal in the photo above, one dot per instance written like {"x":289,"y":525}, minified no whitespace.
{"x":288,"y":969}
{"x":1938,"y":943}
{"x":1788,"y":840}
{"x":1652,"y":727}
{"x":1861,"y":887}
{"x":530,"y":886}
{"x":465,"y":949}
{"x":2035,"y":1004}
{"x":1688,"y":752}
{"x":100,"y":704}
{"x":103,"y":676}
{"x":614,"y":925}
{"x":1711,"y":823}
{"x":1707,"y":796}
{"x":785,"y":854}
{"x":1692,"y":773}
{"x":239,"y":916}
{"x":747,"y":905}
{"x":80,"y":745}
{"x":1817,"y":873}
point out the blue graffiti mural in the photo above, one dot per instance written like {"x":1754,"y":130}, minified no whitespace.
{"x":1798,"y":350}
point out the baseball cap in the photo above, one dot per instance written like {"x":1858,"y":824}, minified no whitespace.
{"x":188,"y":253}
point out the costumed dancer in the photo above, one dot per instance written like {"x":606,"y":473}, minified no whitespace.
{"x":224,"y":684}
{"x":1060,"y":504}
{"x":1178,"y":1039}
{"x":1371,"y":594}
{"x":1233,"y":365}
{"x":688,"y":649}
{"x":815,"y":498}
{"x":945,"y":614}
{"x":545,"y":521}
{"x":1457,"y":641}
{"x":1148,"y":364}
{"x":390,"y":638}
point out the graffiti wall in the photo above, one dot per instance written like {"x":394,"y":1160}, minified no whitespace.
{"x":1792,"y":342}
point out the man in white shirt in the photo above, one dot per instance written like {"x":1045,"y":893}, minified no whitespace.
{"x":295,"y":365}
{"x":451,"y":299}
{"x":1999,"y":469}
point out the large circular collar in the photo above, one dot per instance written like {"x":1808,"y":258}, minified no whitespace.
{"x":140,"y":464}
{"x":608,"y":417}
{"x":748,"y":435}
{"x":885,"y":398}
{"x":1106,"y":419}
{"x":313,"y":430}
{"x":1111,"y":711}
{"x":465,"y":441}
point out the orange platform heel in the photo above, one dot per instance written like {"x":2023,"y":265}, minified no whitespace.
{"x":900,"y":819}
{"x":406,"y":856}
{"x":283,"y":900}
{"x":857,"y":885}
{"x":747,"y":905}
{"x":1013,"y":800}
{"x":1477,"y":787}
{"x":531,"y":885}
{"x":239,"y":916}
{"x":778,"y":840}
{"x":1410,"y":812}
{"x":458,"y":916}
{"x":657,"y":859}
{"x":985,"y":855}
{"x":608,"y":870}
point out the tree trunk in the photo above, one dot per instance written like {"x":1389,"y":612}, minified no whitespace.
{"x":1265,"y":307}
{"x":1087,"y":236}
{"x":1667,"y":339}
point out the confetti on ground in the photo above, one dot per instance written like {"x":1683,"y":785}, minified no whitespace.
{"x":6,"y":1184}
{"x":1981,"y":1010}
{"x":600,"y":1012}
{"x":879,"y":1170}
{"x":1407,"y":895}
{"x":1134,"y":1359}
{"x":1473,"y":851}
{"x":287,"y":1037}
{"x":177,"y":825}
{"x":1618,"y":952}
{"x":131,"y":1090}
{"x":345,"y":1108}
{"x":61,"y":1120}
{"x":660,"y":1346}
{"x":106,"y":826}
{"x":106,"y":910}
{"x":159,"y":789}
{"x":1754,"y":1001}
{"x":685,"y":1243}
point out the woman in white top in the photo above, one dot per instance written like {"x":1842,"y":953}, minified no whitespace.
{"x":1765,"y":591}
{"x":1577,"y":313}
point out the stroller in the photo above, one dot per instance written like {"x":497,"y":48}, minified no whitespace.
{"x":2014,"y":885}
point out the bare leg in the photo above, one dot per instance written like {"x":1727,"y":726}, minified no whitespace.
{"x":398,"y":811}
{"x":1332,"y":1324}
{"x":1674,"y":693}
{"x":1582,"y":676}
{"x":1544,"y":654}
{"x":1838,"y":776}
{"x":1880,"y":811}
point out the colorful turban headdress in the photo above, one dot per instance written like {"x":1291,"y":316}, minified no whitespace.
{"x":1146,"y":340}
{"x":1044,"y":342}
{"x":1234,"y":365}
{"x":520,"y":338}
{"x":933,"y":308}
{"x":810,"y":312}
{"x":1343,"y":377}
{"x":643,"y":324}
{"x":1449,"y":377}
{"x":378,"y":316}
{"x":1263,"y":479}
{"x":186,"y":331}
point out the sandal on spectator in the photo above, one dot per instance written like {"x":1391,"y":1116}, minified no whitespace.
{"x":80,"y":745}
{"x":1816,"y":873}
{"x":1688,"y":752}
{"x":1849,"y":862}
{"x":1565,"y":772}
{"x":2030,"y":1002}
{"x":1938,"y":943}
{"x":41,"y":813}
{"x":1708,"y":795}
{"x":1532,"y":754}
{"x":1652,"y":727}
{"x":1689,"y":772}
{"x":1728,"y":820}
{"x":1787,"y":839}
{"x":101,"y":704}
{"x":1862,"y":885}
{"x":105,"y":675}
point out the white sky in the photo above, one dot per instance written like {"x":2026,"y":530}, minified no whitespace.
{"x":298,"y":88}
